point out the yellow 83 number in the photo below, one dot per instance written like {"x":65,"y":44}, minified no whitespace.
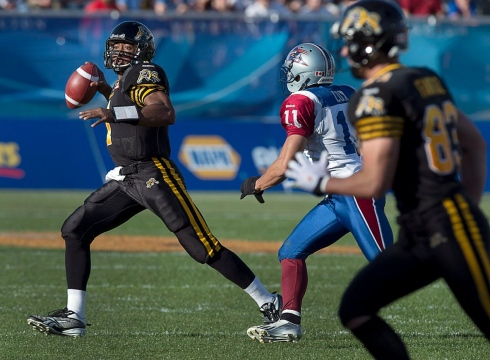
{"x":441,"y":141}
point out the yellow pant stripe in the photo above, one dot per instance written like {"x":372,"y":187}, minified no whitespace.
{"x":468,"y":251}
{"x":177,"y":186}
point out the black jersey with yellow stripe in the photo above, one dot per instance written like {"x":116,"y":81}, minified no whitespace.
{"x":414,"y":106}
{"x":129,"y":142}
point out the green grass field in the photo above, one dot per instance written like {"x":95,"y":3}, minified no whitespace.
{"x":166,"y":306}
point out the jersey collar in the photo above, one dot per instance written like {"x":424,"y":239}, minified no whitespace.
{"x":383,"y":71}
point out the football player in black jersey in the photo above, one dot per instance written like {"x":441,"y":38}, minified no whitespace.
{"x":416,"y":142}
{"x":137,"y":118}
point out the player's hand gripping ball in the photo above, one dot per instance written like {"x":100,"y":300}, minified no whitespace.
{"x":78,"y":91}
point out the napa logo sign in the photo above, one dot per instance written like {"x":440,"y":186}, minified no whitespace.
{"x":209,"y":157}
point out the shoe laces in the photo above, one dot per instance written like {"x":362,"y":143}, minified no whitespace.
{"x":269,"y":311}
{"x":66,"y":314}
{"x":61,"y":313}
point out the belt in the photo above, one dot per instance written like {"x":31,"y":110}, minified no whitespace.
{"x":134,"y":168}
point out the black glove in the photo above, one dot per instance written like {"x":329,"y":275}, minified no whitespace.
{"x":248,"y":188}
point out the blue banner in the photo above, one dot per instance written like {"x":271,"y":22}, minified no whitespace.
{"x":224,"y":80}
{"x":212,"y":154}
{"x":58,"y":154}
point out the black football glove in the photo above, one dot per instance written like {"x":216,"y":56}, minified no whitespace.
{"x":248,"y":188}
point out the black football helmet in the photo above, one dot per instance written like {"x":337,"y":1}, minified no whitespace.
{"x":130,"y":32}
{"x":372,"y":26}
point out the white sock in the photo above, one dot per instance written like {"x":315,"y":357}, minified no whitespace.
{"x":291,"y":312}
{"x":258,"y":292}
{"x":76,"y":302}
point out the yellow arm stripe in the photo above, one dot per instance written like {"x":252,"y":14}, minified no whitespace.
{"x":140,"y":92}
{"x":379,"y":126}
{"x":172,"y":178}
{"x":472,"y":255}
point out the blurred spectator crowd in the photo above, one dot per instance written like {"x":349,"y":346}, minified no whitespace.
{"x":453,"y":9}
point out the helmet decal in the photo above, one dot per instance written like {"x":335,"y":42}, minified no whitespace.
{"x":142,"y":33}
{"x":297,"y":56}
{"x":118,"y":36}
{"x":361,"y":19}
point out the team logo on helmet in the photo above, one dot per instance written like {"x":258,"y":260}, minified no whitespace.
{"x":359,"y":19}
{"x":296,"y":56}
{"x":370,"y":105}
{"x":142,"y":32}
{"x":148,"y":75}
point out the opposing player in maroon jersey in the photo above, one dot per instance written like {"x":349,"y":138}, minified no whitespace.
{"x":415,"y":141}
{"x":137,"y":119}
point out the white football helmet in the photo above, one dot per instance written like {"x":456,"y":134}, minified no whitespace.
{"x":307,"y":65}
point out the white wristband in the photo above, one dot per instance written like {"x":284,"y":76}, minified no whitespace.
{"x":125,"y":113}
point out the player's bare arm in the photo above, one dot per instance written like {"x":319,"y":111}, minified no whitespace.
{"x":274,"y":174}
{"x":379,"y":157}
{"x":473,"y":157}
{"x":158,"y":111}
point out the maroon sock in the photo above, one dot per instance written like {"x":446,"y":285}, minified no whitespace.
{"x":293,"y":286}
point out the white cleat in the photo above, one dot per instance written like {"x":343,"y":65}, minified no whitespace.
{"x":280,"y":331}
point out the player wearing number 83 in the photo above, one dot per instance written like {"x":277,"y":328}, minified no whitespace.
{"x":314,"y":117}
{"x":416,"y":142}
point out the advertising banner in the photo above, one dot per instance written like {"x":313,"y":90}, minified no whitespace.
{"x":224,"y":84}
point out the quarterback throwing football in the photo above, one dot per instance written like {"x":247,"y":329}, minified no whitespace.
{"x":137,"y":118}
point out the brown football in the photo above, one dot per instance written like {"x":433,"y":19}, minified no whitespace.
{"x":77,"y":90}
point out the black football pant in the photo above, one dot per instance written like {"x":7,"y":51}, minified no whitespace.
{"x":452,"y":241}
{"x":158,"y":186}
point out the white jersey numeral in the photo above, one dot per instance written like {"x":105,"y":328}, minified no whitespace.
{"x":294,"y":115}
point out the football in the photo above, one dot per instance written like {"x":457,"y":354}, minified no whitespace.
{"x":77,"y":90}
